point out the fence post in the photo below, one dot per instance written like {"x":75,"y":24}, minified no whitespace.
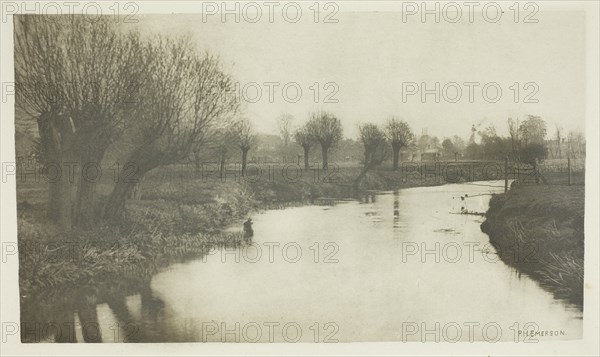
{"x":569,"y":169}
{"x":505,"y":174}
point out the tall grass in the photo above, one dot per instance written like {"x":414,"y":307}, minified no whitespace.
{"x":540,"y":231}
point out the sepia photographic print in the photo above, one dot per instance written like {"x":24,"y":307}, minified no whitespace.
{"x":299,"y":178}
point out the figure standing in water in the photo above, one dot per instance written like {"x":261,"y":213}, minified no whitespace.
{"x":248,"y":231}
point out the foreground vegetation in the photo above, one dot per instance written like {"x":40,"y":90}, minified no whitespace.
{"x":539,"y":230}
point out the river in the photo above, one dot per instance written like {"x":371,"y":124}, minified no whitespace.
{"x":394,"y":266}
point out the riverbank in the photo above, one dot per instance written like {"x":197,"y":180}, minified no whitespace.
{"x":181,"y":213}
{"x":178,"y":216}
{"x":539,"y":230}
{"x":364,"y":246}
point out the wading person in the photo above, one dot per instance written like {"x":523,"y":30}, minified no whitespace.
{"x":248,"y":231}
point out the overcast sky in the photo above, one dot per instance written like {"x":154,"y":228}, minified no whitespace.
{"x":369,"y":55}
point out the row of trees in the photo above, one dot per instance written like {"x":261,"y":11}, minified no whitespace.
{"x":325,"y":129}
{"x":230,"y":139}
{"x":526,"y":142}
{"x":322,"y":128}
{"x":90,"y":86}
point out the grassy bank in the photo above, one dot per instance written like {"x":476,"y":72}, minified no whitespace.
{"x":539,"y":230}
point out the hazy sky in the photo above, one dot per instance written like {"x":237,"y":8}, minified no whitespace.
{"x":369,"y":55}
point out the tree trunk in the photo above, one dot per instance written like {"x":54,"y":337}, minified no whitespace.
{"x":136,"y":193}
{"x":360,"y":177}
{"x":91,"y":150}
{"x":367,"y":159}
{"x":244,"y":159}
{"x":306,"y":150}
{"x":222,"y":168}
{"x":368,"y":166}
{"x":86,"y":187}
{"x":56,"y":192}
{"x":59,"y":208}
{"x":84,"y":206}
{"x":396,"y":155}
{"x":57,"y":150}
{"x":197,"y":166}
{"x":324,"y":150}
{"x":116,"y":201}
{"x":124,"y":187}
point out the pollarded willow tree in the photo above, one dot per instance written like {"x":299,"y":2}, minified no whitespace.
{"x":185,"y":97}
{"x":304,"y":138}
{"x":375,"y":146}
{"x":72,"y":77}
{"x":223,"y":145}
{"x":39,"y":70}
{"x":245,"y":138}
{"x":326,"y":129}
{"x":373,"y":140}
{"x":400,"y":135}
{"x":102,"y":97}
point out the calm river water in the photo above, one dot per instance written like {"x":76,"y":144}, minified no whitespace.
{"x":394,"y":266}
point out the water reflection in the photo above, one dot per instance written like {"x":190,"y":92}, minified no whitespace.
{"x":373,"y":281}
{"x":110,"y":313}
{"x":369,"y":197}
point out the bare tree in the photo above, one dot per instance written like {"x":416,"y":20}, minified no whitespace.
{"x":303,"y":137}
{"x":513,"y":130}
{"x":225,"y":140}
{"x":245,"y":138}
{"x":185,"y":97}
{"x":372,"y":139}
{"x":71,"y":77}
{"x":375,"y":146}
{"x":101,"y":96}
{"x":326,"y":128}
{"x":576,"y":144}
{"x":400,"y":135}
{"x":284,"y":125}
{"x":459,"y":144}
{"x":39,"y":68}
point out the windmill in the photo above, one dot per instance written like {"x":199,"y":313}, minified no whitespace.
{"x":474,"y":130}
